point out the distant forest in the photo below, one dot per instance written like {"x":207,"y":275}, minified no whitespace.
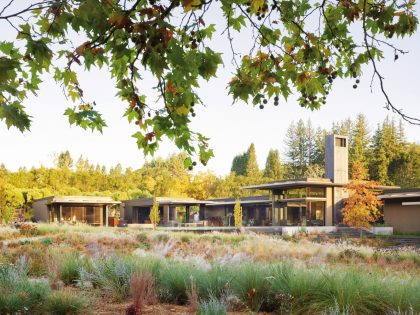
{"x":385,"y":153}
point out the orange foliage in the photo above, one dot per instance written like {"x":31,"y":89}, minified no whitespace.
{"x":362,"y":207}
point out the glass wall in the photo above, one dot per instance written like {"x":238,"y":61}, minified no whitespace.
{"x":311,"y":213}
{"x":92,"y":215}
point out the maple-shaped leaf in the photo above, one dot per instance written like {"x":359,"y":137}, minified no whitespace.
{"x":190,"y":4}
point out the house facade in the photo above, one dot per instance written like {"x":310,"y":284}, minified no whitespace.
{"x":90,"y":210}
{"x":298,"y":202}
{"x":402,"y":209}
{"x":172,"y":210}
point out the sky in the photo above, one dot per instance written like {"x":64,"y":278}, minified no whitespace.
{"x":231,"y":128}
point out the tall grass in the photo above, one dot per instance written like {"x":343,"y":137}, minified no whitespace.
{"x":65,"y":303}
{"x":19,"y":295}
{"x":113,"y":273}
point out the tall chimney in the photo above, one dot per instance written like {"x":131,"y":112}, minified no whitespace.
{"x":337,"y":159}
{"x":337,"y":169}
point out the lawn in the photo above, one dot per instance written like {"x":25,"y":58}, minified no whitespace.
{"x":70,"y":270}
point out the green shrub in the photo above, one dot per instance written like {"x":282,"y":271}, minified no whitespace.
{"x":18,"y":295}
{"x":113,"y":273}
{"x":215,"y":283}
{"x":185,"y":238}
{"x":46,"y":241}
{"x":174,"y":280}
{"x":69,"y":267}
{"x":64,"y":303}
{"x":251,"y":285}
{"x":213,"y":306}
{"x":164,"y":238}
{"x":142,"y":237}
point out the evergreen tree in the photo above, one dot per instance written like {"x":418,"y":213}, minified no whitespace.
{"x":237,"y":214}
{"x":273,"y":168}
{"x":64,"y":161}
{"x":154,"y":215}
{"x":359,"y":150}
{"x":239,"y":164}
{"x":252,"y":169}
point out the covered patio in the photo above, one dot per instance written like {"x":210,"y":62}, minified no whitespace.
{"x":173,"y":211}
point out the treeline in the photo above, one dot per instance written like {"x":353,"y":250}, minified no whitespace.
{"x":389,"y":158}
{"x":385,"y":153}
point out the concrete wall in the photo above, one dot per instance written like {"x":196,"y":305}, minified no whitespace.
{"x":329,"y":207}
{"x":40,"y":210}
{"x":336,"y":159}
{"x":402,"y":218}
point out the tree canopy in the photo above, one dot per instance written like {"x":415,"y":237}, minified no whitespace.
{"x":297,"y":47}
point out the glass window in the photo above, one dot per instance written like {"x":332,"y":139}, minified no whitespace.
{"x":296,"y":193}
{"x":317,"y":212}
{"x":318,"y":192}
{"x":340,"y":142}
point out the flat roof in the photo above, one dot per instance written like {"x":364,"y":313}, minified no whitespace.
{"x":400,"y":193}
{"x":295,"y":183}
{"x":244,"y":200}
{"x":166,"y":201}
{"x":80,"y":199}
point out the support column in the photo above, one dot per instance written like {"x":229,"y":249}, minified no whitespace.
{"x":272,"y":209}
{"x":106,"y":215}
{"x":187,"y":214}
{"x":165,"y":214}
{"x":61,"y":214}
{"x":202,"y":212}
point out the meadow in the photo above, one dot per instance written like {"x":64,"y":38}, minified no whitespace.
{"x":51,"y":269}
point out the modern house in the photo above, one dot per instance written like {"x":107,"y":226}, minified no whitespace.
{"x":298,"y":202}
{"x":312,"y":201}
{"x":172,"y":210}
{"x":402,"y":209}
{"x":255,"y":211}
{"x":74,"y":209}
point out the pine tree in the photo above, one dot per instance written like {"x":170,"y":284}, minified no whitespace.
{"x":239,"y":164}
{"x":154,"y":215}
{"x":237,"y":214}
{"x":64,"y":161}
{"x":273,"y":168}
{"x":359,"y":150}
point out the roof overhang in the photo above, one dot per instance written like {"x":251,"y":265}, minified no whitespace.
{"x":411,"y":203}
{"x":298,"y":183}
{"x":81,"y":200}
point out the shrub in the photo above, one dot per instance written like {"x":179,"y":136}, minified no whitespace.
{"x":64,"y":303}
{"x":212,"y":307}
{"x":18,"y":295}
{"x":69,"y":268}
{"x":185,"y":238}
{"x":142,"y":237}
{"x":164,"y":238}
{"x":174,"y":281}
{"x":143,"y":292}
{"x":251,"y":284}
{"x":113,"y":273}
{"x":28,"y":229}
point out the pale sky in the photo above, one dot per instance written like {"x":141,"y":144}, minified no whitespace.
{"x":230,"y":128}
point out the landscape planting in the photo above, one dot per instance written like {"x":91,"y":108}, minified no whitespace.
{"x":86,"y":270}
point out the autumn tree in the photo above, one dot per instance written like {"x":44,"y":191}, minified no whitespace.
{"x":362,"y":206}
{"x":237,"y":214}
{"x":64,"y":160}
{"x":154,"y":215}
{"x":252,"y":169}
{"x":273,"y":168}
{"x":172,"y":41}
